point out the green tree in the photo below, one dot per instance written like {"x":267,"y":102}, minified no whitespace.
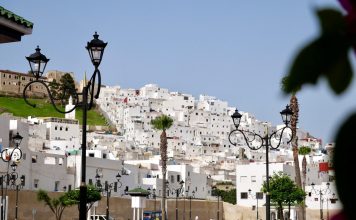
{"x":283,"y":191}
{"x":56,"y":204}
{"x":54,"y":88}
{"x":67,"y":86}
{"x":226,"y":196}
{"x":93,"y":195}
{"x":304,"y":150}
{"x":163,"y":123}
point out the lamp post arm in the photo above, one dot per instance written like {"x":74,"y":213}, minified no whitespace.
{"x":247,"y":140}
{"x":279,"y":137}
{"x":53,"y":99}
{"x":91,"y":87}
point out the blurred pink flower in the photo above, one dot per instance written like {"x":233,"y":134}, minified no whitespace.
{"x":350,"y":7}
{"x":347,"y":5}
{"x":339,"y":216}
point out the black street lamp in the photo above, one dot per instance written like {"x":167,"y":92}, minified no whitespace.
{"x":256,"y":196}
{"x":153,"y":196}
{"x":214,"y":188}
{"x":38,"y":63}
{"x":255,"y":141}
{"x":14,"y":176}
{"x":321,"y":192}
{"x":8,"y":155}
{"x":107,"y":189}
{"x":18,"y":186}
{"x":327,"y":205}
{"x":190,"y":204}
{"x":178,"y":190}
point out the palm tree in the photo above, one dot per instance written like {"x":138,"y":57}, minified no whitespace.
{"x":294,"y":105}
{"x":303,"y":150}
{"x":163,"y":123}
{"x":56,"y":204}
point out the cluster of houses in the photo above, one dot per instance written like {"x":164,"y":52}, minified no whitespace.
{"x":199,"y":149}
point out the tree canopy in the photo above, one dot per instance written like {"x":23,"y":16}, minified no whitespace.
{"x":283,"y":191}
{"x":162,"y":122}
{"x":304,"y":150}
{"x":93,"y":195}
{"x":56,"y":204}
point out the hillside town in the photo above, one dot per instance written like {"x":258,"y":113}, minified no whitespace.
{"x":201,"y":155}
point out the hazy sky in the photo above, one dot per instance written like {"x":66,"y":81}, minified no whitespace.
{"x":232,"y":49}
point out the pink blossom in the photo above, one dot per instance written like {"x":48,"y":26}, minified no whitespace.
{"x":350,"y":7}
{"x":339,"y":216}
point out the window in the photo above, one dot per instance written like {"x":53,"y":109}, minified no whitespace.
{"x":178,"y":178}
{"x":243,"y":179}
{"x":34,"y":159}
{"x":244,"y":195}
{"x":56,"y":185}
{"x":35,"y":183}
{"x":55,"y":128}
{"x":172,"y":179}
{"x":259,"y":195}
{"x":253,"y":179}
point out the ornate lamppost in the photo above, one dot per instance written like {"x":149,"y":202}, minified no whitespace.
{"x":177,"y":190}
{"x":8,"y":155}
{"x":255,"y":141}
{"x":14,"y":185}
{"x":256,"y":196}
{"x":215,"y":190}
{"x":190,"y":204}
{"x":153,"y":195}
{"x":107,"y":189}
{"x":38,"y":63}
{"x":321,"y":192}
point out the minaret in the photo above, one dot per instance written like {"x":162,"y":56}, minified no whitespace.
{"x":70,"y":115}
{"x":83,"y":83}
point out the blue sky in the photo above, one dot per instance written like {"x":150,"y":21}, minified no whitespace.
{"x":234,"y":50}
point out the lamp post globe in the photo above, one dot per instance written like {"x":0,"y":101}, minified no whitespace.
{"x":236,"y":118}
{"x":96,"y":49}
{"x":38,"y":63}
{"x":286,"y":115}
{"x":17,"y":138}
{"x":118,"y":177}
{"x":13,"y":166}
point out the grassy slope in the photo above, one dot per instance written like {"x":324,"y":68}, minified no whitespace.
{"x":18,"y":107}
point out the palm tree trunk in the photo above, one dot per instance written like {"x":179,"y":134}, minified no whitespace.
{"x":304,"y":170}
{"x":294,"y":121}
{"x":163,"y":148}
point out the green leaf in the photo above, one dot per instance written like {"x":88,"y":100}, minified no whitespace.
{"x":340,"y":74}
{"x":325,"y":56}
{"x":331,"y":20}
